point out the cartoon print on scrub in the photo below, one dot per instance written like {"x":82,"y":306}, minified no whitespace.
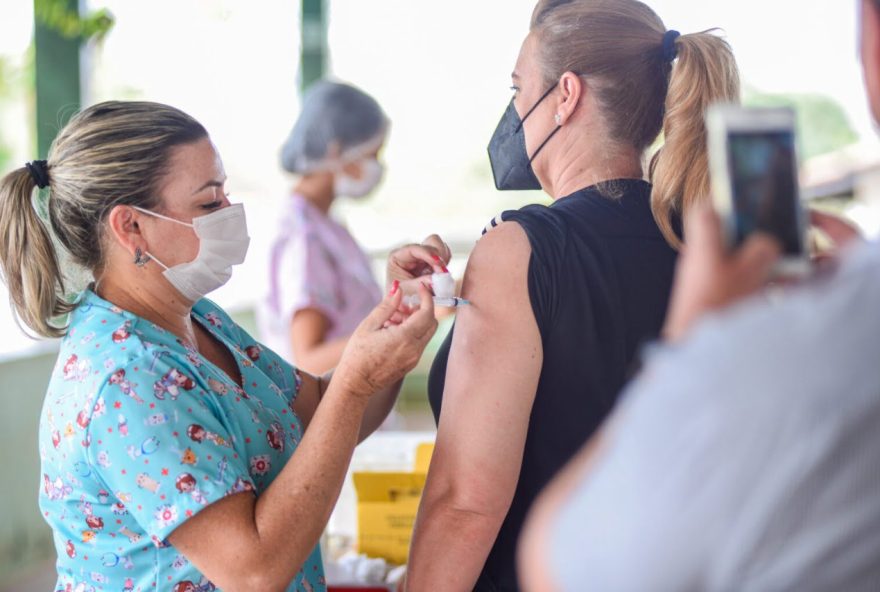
{"x":253,"y":352}
{"x":144,"y":481}
{"x":118,"y":378}
{"x":122,"y":425}
{"x":56,"y":489}
{"x":92,"y":521}
{"x":56,"y":433}
{"x":212,"y":318}
{"x":171,"y":383}
{"x":76,"y":370}
{"x":132,"y":536}
{"x":188,"y":586}
{"x":84,"y":417}
{"x":188,"y":457}
{"x":122,"y":333}
{"x":218,"y":386}
{"x":260,"y":464}
{"x":275,"y":436}
{"x":186,"y":483}
{"x":136,"y":438}
{"x":192,"y":355}
{"x":240,"y":486}
{"x":198,"y":434}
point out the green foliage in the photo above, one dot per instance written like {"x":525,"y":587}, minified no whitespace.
{"x":7,"y":78}
{"x":15,"y":78}
{"x":59,"y":16}
{"x":16,"y":86}
{"x":5,"y":156}
{"x":5,"y":74}
{"x":822,"y":125}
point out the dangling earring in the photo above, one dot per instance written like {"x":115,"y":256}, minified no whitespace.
{"x":558,"y":119}
{"x":139,"y":258}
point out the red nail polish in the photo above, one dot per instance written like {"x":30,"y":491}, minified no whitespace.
{"x":394,"y":287}
{"x":435,"y":258}
{"x":443,"y":267}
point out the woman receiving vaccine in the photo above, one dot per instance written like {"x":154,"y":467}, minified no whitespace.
{"x":562,"y":296}
{"x":320,"y":282}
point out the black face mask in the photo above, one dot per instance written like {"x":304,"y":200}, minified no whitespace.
{"x":511,"y":165}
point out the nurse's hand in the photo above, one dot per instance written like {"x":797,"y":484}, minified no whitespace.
{"x":413,"y":264}
{"x":380,"y":353}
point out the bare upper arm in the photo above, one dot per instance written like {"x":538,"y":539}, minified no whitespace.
{"x":310,"y":392}
{"x":492,"y":375}
{"x":212,"y":539}
{"x":308,"y":328}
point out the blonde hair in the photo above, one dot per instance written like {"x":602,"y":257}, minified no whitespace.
{"x":617,"y":46}
{"x":113,"y":153}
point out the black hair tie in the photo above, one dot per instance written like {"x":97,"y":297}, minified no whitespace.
{"x":670,"y":52}
{"x":39,"y":172}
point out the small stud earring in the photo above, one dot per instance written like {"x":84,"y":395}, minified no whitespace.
{"x":139,"y":258}
{"x":558,"y":119}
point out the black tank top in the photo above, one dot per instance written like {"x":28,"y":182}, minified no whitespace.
{"x":599,"y":279}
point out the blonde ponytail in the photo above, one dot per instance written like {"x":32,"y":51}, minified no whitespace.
{"x":28,"y":262}
{"x":112,"y":153}
{"x":621,"y":48}
{"x":705,"y":72}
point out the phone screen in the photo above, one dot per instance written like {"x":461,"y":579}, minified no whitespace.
{"x":765,"y":196}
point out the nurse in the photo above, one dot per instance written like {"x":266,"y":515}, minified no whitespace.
{"x":176,"y":451}
{"x":321,"y":284}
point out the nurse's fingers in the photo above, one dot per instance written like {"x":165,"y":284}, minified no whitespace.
{"x":443,"y":251}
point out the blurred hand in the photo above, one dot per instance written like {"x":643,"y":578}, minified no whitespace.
{"x":841,"y":233}
{"x":709,"y":278}
{"x":412,"y":265}
{"x":379,"y":353}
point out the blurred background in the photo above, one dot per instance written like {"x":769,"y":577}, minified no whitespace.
{"x":440,"y":70}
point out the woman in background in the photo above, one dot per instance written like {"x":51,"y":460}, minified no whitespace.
{"x":321,"y":284}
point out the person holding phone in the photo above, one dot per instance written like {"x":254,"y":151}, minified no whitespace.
{"x":754,"y":430}
{"x":753,"y":162}
{"x":562,"y":297}
{"x":177,"y":452}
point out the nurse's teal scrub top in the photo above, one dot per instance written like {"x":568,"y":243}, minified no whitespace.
{"x":139,"y":432}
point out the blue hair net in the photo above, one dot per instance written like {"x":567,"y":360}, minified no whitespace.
{"x":332,"y":112}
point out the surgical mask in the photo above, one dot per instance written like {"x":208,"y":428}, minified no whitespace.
{"x":511,"y":164}
{"x":371,"y":174}
{"x":223,"y":242}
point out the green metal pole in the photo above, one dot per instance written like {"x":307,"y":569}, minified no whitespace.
{"x":57,"y":80}
{"x":313,"y":60}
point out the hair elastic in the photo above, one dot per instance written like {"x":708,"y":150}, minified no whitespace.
{"x":670,"y":52}
{"x":39,"y":172}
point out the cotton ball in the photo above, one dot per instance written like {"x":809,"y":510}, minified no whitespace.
{"x":443,"y":284}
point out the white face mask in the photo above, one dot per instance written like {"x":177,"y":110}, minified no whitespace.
{"x":371,"y":174}
{"x":223,"y":242}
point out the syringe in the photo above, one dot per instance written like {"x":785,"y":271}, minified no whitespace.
{"x":452,"y":301}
